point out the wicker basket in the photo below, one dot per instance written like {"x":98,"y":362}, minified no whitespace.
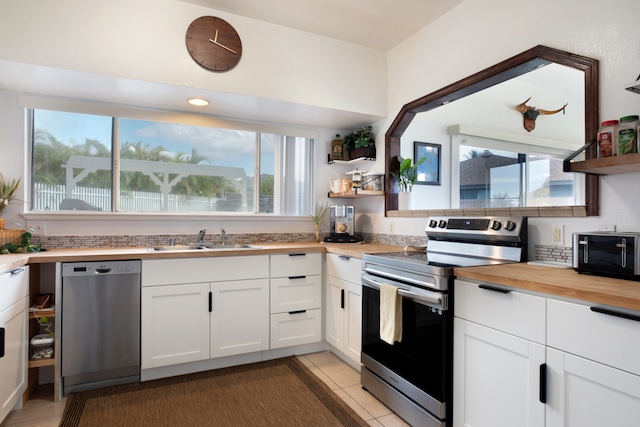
{"x":10,"y":236}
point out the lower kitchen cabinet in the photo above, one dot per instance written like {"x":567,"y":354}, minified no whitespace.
{"x":585,"y":372}
{"x":343,"y":309}
{"x":496,"y":365}
{"x":496,"y":378}
{"x":201,"y":318}
{"x":14,"y":307}
{"x":175,"y":324}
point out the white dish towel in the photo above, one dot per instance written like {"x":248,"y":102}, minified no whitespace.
{"x":390,"y":314}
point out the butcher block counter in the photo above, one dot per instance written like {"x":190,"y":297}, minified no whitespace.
{"x":10,"y":261}
{"x":562,"y":282}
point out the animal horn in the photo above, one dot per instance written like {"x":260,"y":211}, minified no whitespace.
{"x":523,"y":107}
{"x":554,"y":111}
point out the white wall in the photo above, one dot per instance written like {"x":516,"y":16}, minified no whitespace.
{"x":480,"y":33}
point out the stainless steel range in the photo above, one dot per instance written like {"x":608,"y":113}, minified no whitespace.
{"x":413,"y":376}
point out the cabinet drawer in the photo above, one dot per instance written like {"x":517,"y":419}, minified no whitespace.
{"x":512,"y":312}
{"x":14,"y":285}
{"x":604,"y":338}
{"x":298,"y":264}
{"x":296,"y":293}
{"x":198,"y":270}
{"x":288,"y":329}
{"x":344,"y":267}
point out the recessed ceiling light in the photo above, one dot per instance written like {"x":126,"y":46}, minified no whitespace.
{"x":198,"y":102}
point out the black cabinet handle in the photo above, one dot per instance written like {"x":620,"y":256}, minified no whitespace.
{"x":341,"y":298}
{"x":297,"y":254}
{"x":17,"y":270}
{"x":494,"y":289}
{"x":543,"y":383}
{"x":297,"y":311}
{"x":615,"y":313}
{"x":210,"y":302}
{"x":297,"y":277}
{"x":345,"y":257}
{"x":1,"y":343}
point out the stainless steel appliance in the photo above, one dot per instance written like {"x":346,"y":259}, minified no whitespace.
{"x":607,"y":254}
{"x":342,"y":225}
{"x":414,"y":377}
{"x":100,"y":324}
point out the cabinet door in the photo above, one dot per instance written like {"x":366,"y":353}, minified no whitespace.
{"x":496,"y":378}
{"x":174,"y":324}
{"x":334,"y":312}
{"x":583,"y":393}
{"x":353,"y":321}
{"x":239,"y":317}
{"x":13,"y":355}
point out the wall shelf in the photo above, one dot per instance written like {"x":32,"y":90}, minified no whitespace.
{"x":350,"y":162}
{"x":608,"y":165}
{"x":353,"y":194}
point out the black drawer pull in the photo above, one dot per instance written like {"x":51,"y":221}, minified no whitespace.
{"x":297,"y":277}
{"x":297,"y":254}
{"x":17,"y":270}
{"x":615,"y":313}
{"x":2,"y":343}
{"x":210,"y":302}
{"x":297,"y":311}
{"x":494,"y":289}
{"x":341,"y":298}
{"x":345,"y":257}
{"x":543,"y":383}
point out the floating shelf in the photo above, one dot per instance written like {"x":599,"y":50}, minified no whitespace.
{"x":352,"y":161}
{"x":608,"y":165}
{"x":353,"y":194}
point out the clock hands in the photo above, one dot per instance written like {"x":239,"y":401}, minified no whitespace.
{"x":215,"y":41}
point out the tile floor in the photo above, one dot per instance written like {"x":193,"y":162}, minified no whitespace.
{"x":42,"y":411}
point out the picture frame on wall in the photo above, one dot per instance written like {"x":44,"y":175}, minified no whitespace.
{"x":429,"y":170}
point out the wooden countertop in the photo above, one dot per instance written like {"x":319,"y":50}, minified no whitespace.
{"x":563,"y":282}
{"x":10,"y":261}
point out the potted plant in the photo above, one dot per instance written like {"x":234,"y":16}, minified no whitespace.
{"x":361,"y":143}
{"x":406,"y":177}
{"x":318,"y":216}
{"x":7,"y":190}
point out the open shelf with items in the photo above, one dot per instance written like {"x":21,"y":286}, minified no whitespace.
{"x":608,"y":165}
{"x":43,"y":280}
{"x":350,"y":162}
{"x":352,"y":194}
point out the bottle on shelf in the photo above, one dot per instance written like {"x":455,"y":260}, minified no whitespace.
{"x":608,"y":139}
{"x":628,"y":135}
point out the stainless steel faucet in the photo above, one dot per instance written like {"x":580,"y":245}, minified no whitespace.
{"x":223,"y":234}
{"x":201,"y":235}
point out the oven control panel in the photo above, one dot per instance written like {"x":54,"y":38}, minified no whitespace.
{"x":477,"y":228}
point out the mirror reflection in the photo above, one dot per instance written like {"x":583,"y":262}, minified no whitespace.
{"x":504,"y":133}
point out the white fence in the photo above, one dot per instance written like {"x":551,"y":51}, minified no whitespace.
{"x":51,"y":197}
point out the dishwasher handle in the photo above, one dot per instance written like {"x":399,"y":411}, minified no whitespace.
{"x":103,"y":270}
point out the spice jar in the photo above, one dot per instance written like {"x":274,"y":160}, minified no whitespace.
{"x":608,"y":138}
{"x":628,"y":135}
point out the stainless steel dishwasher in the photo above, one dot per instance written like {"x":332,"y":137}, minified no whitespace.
{"x":100,"y":336}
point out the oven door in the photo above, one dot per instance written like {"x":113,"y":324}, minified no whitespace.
{"x":420,"y":366}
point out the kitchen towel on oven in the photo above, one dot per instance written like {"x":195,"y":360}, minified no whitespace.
{"x":390,"y":314}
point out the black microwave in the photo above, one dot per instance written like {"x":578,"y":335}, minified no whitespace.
{"x":607,"y":254}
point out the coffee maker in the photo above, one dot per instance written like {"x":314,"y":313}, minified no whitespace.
{"x":342,"y":225}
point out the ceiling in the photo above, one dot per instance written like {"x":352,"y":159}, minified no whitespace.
{"x":378,"y":24}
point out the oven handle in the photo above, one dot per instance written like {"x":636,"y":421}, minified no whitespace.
{"x":396,"y":277}
{"x":432,"y":300}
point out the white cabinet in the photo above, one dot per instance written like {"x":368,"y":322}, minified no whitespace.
{"x":14,"y":306}
{"x":499,"y":337}
{"x":175,"y":324}
{"x":590,"y":374}
{"x":343,"y":309}
{"x":198,"y":308}
{"x":296,"y":299}
{"x":593,"y":366}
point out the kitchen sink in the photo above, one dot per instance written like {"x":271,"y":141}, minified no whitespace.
{"x":198,"y":247}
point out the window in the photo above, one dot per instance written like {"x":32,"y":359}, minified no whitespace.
{"x":82,"y":161}
{"x":492,"y":177}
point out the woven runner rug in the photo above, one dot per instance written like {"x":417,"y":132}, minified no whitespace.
{"x":281,"y":392}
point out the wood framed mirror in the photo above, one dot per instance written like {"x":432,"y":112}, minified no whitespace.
{"x":513,"y":67}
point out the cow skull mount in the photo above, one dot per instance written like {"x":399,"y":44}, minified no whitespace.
{"x":530,"y":114}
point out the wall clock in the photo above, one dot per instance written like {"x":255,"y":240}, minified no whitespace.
{"x":213,"y":43}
